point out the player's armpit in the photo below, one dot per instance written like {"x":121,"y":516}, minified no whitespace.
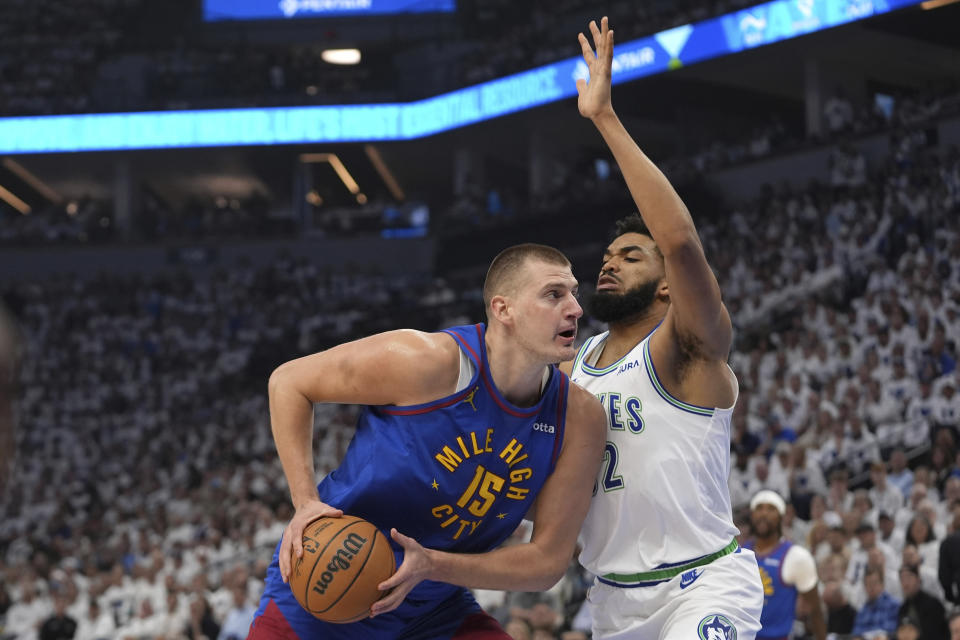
{"x":400,"y":367}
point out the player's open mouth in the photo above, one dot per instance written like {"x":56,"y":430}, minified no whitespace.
{"x":569,"y":334}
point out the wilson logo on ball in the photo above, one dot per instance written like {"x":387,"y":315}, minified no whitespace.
{"x":341,"y":561}
{"x":344,"y":561}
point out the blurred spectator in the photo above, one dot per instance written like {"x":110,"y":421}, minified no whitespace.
{"x":518,"y":629}
{"x":97,"y":624}
{"x":840,"y":615}
{"x":236,"y":624}
{"x":201,"y":622}
{"x":900,"y":475}
{"x":887,"y":497}
{"x":920,"y":534}
{"x":919,"y":606}
{"x":879,"y":612}
{"x":909,"y":629}
{"x":838,"y":113}
{"x":954,"y":624}
{"x":59,"y":626}
{"x":27,"y":613}
{"x":949,"y":563}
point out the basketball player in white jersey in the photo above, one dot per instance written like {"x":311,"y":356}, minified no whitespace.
{"x":659,"y":535}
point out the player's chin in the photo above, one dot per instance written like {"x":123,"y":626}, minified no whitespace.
{"x":566,"y":352}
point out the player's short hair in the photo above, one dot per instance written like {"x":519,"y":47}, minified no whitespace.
{"x":501,"y":274}
{"x":633,"y":223}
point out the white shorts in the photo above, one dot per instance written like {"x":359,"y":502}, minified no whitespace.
{"x":721,"y":603}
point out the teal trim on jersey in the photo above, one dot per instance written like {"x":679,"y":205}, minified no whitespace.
{"x":581,"y":355}
{"x":679,"y":404}
{"x":659,"y":575}
{"x":593,"y":371}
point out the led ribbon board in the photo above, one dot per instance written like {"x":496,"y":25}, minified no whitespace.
{"x":214,"y":10}
{"x":687,"y":44}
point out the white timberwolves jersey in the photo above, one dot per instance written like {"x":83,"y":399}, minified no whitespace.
{"x":661,"y":497}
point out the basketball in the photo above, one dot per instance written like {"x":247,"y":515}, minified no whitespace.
{"x":344,"y":559}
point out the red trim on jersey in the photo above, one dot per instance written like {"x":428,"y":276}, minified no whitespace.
{"x":271,"y":625}
{"x":438,"y":404}
{"x":468,"y":347}
{"x":400,"y":411}
{"x":480,"y":626}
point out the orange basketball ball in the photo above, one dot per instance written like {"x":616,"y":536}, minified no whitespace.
{"x":344,"y":559}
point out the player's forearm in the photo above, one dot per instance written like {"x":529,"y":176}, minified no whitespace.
{"x":818,"y":625}
{"x":659,"y":204}
{"x":520,"y":567}
{"x":291,"y":420}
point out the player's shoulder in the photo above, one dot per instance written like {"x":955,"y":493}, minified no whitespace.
{"x":799,"y":554}
{"x":584,"y":410}
{"x":422,"y":351}
{"x":420,"y":340}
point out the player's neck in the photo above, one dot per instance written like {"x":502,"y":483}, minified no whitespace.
{"x":516,"y":376}
{"x":763,"y":546}
{"x":626,"y":335}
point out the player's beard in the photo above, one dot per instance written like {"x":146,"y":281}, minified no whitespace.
{"x":766,"y":528}
{"x":611,"y":307}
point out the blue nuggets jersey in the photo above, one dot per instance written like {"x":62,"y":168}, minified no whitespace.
{"x":456,"y":474}
{"x":779,"y":599}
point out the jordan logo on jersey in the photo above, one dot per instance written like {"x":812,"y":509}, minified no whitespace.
{"x":716,"y":627}
{"x":469,"y":398}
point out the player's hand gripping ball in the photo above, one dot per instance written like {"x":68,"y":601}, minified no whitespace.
{"x":344,"y":559}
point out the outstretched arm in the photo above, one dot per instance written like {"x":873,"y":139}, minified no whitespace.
{"x":560,"y":509}
{"x":697,"y":310}
{"x":397,"y":367}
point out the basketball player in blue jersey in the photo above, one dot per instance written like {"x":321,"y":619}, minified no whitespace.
{"x":786,"y":570}
{"x":465,"y":433}
{"x":659,"y":535}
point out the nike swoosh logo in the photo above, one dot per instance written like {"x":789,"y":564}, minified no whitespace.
{"x":689,"y":578}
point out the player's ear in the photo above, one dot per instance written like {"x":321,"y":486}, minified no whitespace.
{"x":663,"y":290}
{"x":500,"y":310}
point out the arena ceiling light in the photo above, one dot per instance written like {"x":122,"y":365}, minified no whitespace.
{"x":21,"y":172}
{"x":341,"y":56}
{"x":7,"y":196}
{"x":338,"y":167}
{"x":385,"y":174}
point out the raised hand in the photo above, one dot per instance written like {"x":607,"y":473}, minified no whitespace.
{"x":594,"y":98}
{"x":292,"y":545}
